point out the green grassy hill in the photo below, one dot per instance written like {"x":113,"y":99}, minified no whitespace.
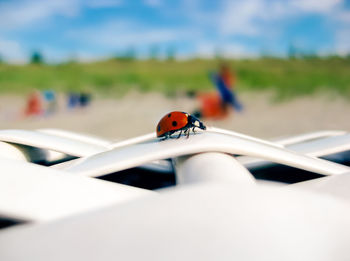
{"x":287,"y":78}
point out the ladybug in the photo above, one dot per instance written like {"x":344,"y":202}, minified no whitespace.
{"x":177,"y":121}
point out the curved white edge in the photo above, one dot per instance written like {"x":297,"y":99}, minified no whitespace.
{"x":139,"y":139}
{"x":159,"y":165}
{"x":138,"y":154}
{"x":325,"y":146}
{"x":246,"y":160}
{"x":86,"y":138}
{"x":150,"y":136}
{"x":50,"y":142}
{"x":29,"y":153}
{"x":54,"y":156}
{"x":10,"y":151}
{"x":164,"y":166}
{"x":315,"y":148}
{"x":240,"y":135}
{"x":336,"y":186}
{"x":207,"y":221}
{"x":63,"y":165}
{"x":308,"y":136}
{"x":36,"y":193}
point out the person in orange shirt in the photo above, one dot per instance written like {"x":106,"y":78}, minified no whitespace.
{"x":34,"y":104}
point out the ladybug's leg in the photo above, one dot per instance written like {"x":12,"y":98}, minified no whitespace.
{"x":188,"y":132}
{"x":167,"y":135}
{"x":185,"y":132}
{"x":193,"y":130}
{"x":170,"y":133}
{"x":179,"y":134}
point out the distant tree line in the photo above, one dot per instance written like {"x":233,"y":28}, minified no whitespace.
{"x":297,"y":52}
{"x":36,"y":58}
{"x":155,"y":52}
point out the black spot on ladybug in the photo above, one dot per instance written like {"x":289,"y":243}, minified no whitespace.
{"x":158,"y":127}
{"x":174,"y":123}
{"x":169,"y":115}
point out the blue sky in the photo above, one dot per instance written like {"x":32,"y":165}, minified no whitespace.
{"x":95,"y":29}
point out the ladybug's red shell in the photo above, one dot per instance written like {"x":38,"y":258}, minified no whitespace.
{"x":172,"y":122}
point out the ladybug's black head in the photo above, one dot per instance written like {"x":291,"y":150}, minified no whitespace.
{"x":196,"y":122}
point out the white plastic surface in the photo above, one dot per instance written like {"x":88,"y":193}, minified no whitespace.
{"x":334,"y":186}
{"x":316,"y":148}
{"x":308,"y":137}
{"x":140,"y":153}
{"x":211,"y":167}
{"x":150,"y":136}
{"x":10,"y":151}
{"x":90,"y":139}
{"x":202,"y":222}
{"x":325,"y":146}
{"x":47,"y":141}
{"x":214,"y":220}
{"x":32,"y":192}
{"x":144,"y":138}
{"x":240,"y":135}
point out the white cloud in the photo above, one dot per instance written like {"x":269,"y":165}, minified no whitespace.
{"x":236,"y":51}
{"x":315,"y":6}
{"x":121,"y":34}
{"x":251,"y":17}
{"x":12,"y":51}
{"x":206,"y":50}
{"x":103,"y":3}
{"x":89,"y":57}
{"x":343,"y":16}
{"x":238,"y":17}
{"x":209,"y":50}
{"x":24,"y":13}
{"x":342,"y":42}
{"x":152,"y":3}
{"x":152,"y":36}
{"x":260,"y":19}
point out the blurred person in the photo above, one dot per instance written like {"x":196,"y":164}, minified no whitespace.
{"x":210,"y":106}
{"x":225,"y":81}
{"x":84,"y":99}
{"x":73,"y":100}
{"x":50,"y":102}
{"x":34,"y":104}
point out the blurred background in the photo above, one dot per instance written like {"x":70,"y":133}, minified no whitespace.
{"x":113,"y":68}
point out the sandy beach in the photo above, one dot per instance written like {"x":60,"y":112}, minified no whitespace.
{"x":137,"y":114}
